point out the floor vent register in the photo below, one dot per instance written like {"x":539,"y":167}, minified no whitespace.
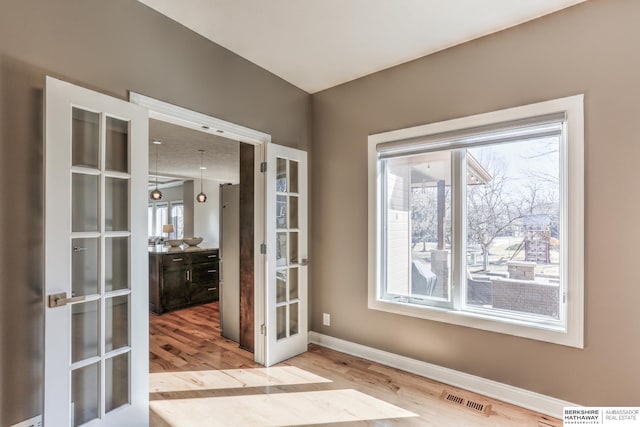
{"x":478,"y":408}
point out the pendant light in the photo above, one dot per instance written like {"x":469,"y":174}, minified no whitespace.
{"x":156,"y":194}
{"x":201,"y":197}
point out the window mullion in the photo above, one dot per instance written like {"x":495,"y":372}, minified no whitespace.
{"x":458,"y":247}
{"x":382,"y":247}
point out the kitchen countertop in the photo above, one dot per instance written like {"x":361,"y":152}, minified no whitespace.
{"x":162,"y":249}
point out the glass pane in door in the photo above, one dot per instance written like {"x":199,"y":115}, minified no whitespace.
{"x":293,"y":212}
{"x":281,"y":175}
{"x":116,"y":269}
{"x":116,"y":204}
{"x":117,"y":147}
{"x":85,"y":330}
{"x":293,"y":248}
{"x":85,"y":137}
{"x":116,"y":323}
{"x":85,"y":190}
{"x":293,"y":319}
{"x":281,"y":322}
{"x":293,"y":176}
{"x":293,"y":284}
{"x":116,"y":382}
{"x":85,"y":383}
{"x":281,"y":249}
{"x":281,"y":286}
{"x":84,"y":266}
{"x":281,"y":211}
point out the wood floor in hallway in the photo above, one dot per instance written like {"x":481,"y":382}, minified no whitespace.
{"x":200,"y":379}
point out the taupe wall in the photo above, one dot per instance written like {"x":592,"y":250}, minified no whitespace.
{"x":110,"y":46}
{"x":591,"y":48}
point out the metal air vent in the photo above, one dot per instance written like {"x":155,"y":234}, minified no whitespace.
{"x":477,"y":407}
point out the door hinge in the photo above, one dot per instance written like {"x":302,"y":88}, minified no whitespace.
{"x":263,"y":248}
{"x":263,"y":329}
{"x":263,"y":167}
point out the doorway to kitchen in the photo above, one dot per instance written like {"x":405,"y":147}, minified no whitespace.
{"x":193,"y":153}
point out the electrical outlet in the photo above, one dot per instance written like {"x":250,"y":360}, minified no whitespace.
{"x":33,"y":422}
{"x":326,"y":319}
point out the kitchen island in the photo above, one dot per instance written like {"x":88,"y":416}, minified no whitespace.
{"x":182,"y":276}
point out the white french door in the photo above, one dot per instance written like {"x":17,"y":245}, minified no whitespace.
{"x":96,"y":278}
{"x":286,"y":229}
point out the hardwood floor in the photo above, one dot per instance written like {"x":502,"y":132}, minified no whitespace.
{"x":202,"y":379}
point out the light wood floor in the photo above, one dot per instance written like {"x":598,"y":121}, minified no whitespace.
{"x":206,"y":380}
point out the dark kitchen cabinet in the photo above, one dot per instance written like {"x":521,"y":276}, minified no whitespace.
{"x":182,"y":278}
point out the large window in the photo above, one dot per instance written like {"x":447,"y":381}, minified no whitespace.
{"x":161,"y":213}
{"x":479,"y":221}
{"x":161,"y":218}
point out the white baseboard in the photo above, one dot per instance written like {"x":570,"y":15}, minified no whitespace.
{"x":504,"y":392}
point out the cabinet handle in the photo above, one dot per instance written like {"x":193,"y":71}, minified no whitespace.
{"x":211,"y":271}
{"x":188,"y":275}
{"x":78,"y":249}
{"x":176,"y":259}
{"x":212,"y":289}
{"x":212,"y":256}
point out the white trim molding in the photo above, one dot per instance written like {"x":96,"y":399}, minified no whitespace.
{"x":517,"y":396}
{"x":452,"y":135}
{"x":180,"y":116}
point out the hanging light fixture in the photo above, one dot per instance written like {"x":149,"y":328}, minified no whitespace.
{"x":201,"y":197}
{"x":156,"y":194}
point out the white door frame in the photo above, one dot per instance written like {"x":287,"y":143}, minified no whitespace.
{"x":180,"y":116}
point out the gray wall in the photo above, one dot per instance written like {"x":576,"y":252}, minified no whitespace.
{"x":591,"y":48}
{"x":110,"y":46}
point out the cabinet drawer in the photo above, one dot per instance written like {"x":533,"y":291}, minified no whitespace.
{"x":170,"y":261}
{"x":204,"y":273}
{"x":202,"y":293}
{"x":198,"y":258}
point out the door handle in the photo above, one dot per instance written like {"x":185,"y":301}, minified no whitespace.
{"x":60,"y":299}
{"x":304,"y":262}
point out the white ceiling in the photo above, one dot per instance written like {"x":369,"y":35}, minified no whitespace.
{"x":178,"y":154}
{"x":317,"y":44}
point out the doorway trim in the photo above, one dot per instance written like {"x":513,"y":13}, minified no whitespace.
{"x":181,"y":116}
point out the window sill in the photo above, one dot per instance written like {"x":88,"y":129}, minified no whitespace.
{"x":556,"y":334}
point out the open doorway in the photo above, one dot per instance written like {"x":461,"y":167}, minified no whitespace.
{"x":194,"y":279}
{"x":273,"y":233}
{"x":236,"y":154}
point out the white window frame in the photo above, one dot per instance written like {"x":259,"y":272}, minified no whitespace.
{"x":172,"y":218}
{"x":156,"y":226}
{"x":569,"y":330}
{"x":151,"y":221}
